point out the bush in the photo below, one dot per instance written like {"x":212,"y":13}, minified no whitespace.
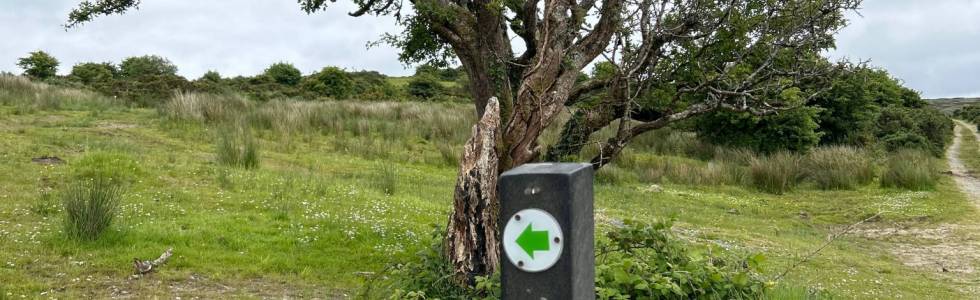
{"x":777,"y":173}
{"x":284,"y":73}
{"x":236,"y":147}
{"x":922,"y":128}
{"x":97,"y":76}
{"x":330,"y":82}
{"x":911,"y":169}
{"x":39,"y":65}
{"x":147,"y":65}
{"x":636,"y":261}
{"x":839,"y":167}
{"x":90,"y":206}
{"x":424,"y":86}
{"x":645,"y":261}
{"x":793,"y":130}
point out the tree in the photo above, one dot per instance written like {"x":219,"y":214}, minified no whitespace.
{"x":674,"y":59}
{"x":39,"y":65}
{"x":284,"y":73}
{"x":147,"y":65}
{"x":96,"y":75}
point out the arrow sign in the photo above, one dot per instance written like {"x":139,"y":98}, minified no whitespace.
{"x":531,"y":240}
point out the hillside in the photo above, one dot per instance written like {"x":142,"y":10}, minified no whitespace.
{"x":948,"y":105}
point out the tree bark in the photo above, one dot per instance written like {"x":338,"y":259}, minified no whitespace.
{"x":471,"y":238}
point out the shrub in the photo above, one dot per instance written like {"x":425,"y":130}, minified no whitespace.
{"x":424,"y":86}
{"x":645,"y":261}
{"x":147,"y":65}
{"x":236,"y":147}
{"x":98,"y":76}
{"x":284,"y":73}
{"x":330,"y":82}
{"x":911,"y":169}
{"x":39,"y":65}
{"x":922,"y":128}
{"x":776,"y":173}
{"x":839,"y":167}
{"x":90,"y":206}
{"x":793,"y":130}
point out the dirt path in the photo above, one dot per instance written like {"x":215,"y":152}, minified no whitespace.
{"x":967,"y":182}
{"x":948,"y":252}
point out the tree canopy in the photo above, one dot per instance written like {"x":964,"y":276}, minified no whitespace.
{"x":39,"y":64}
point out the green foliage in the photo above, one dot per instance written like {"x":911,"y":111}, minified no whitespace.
{"x":428,"y":276}
{"x":793,"y":130}
{"x":850,"y":107}
{"x":146,"y":65}
{"x":970,"y":113}
{"x":330,"y":82}
{"x":645,"y":261}
{"x":236,"y":147}
{"x":284,"y":73}
{"x":371,"y":85}
{"x":424,"y":86}
{"x":914,"y":128}
{"x":777,"y":173}
{"x":98,"y":76}
{"x":39,"y":65}
{"x":911,"y":169}
{"x":90,"y":206}
{"x":113,"y":166}
{"x":839,"y":167}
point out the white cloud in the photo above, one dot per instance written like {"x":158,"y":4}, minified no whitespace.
{"x":233,"y":37}
{"x":931,"y":45}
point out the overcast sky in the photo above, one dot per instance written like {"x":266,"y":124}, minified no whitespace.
{"x":934,"y":46}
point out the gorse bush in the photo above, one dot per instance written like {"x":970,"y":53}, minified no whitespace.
{"x":236,"y":147}
{"x":776,"y":173}
{"x":90,"y":206}
{"x":839,"y":167}
{"x":645,"y":261}
{"x":911,"y":169}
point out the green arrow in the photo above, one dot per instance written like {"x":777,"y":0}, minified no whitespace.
{"x":531,"y":240}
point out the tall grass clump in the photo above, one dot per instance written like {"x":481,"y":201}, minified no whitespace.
{"x":839,"y":167}
{"x":912,"y":170}
{"x":386,"y":179}
{"x":204,"y":107}
{"x":236,"y":147}
{"x":90,"y":207}
{"x":776,"y":173}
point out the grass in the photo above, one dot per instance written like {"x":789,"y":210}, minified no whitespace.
{"x":312,"y":222}
{"x":912,"y":170}
{"x":839,"y":167}
{"x":90,"y":207}
{"x":236,"y":147}
{"x":777,"y":173}
{"x":970,"y":149}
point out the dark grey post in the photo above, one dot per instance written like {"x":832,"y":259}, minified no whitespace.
{"x":563,"y":190}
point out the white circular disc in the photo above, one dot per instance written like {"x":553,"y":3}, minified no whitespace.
{"x":533,"y":240}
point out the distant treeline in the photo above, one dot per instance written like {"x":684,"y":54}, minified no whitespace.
{"x":149,"y":80}
{"x":859,"y":106}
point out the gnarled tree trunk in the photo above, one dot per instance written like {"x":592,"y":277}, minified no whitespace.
{"x":471,"y":239}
